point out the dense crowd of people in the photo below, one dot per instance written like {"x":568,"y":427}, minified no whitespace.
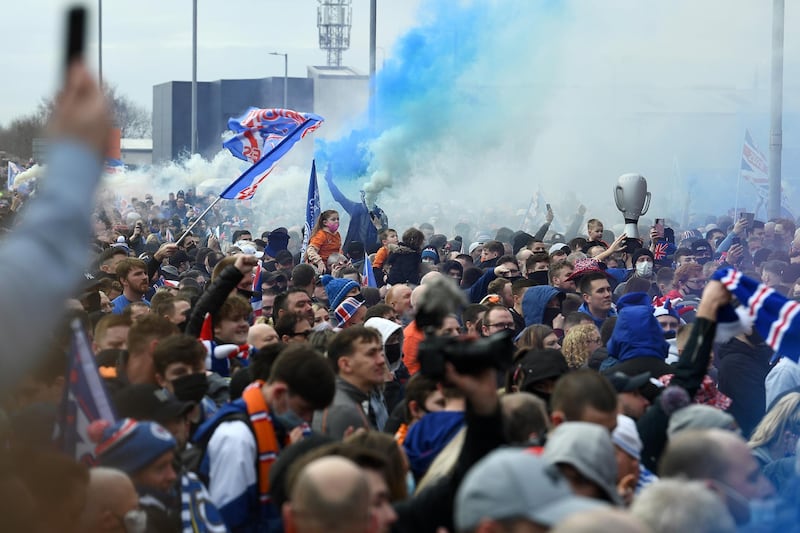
{"x":474,"y":379}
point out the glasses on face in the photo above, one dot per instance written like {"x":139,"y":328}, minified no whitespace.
{"x":304,"y":334}
{"x":501,"y":325}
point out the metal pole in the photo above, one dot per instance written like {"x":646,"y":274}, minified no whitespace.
{"x":100,"y":41}
{"x":285,"y":80}
{"x":373,"y":18}
{"x":194,"y":77}
{"x":776,"y":112}
{"x":193,"y":224}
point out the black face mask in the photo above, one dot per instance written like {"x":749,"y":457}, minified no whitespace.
{"x":191,"y":387}
{"x":539,"y":278}
{"x":393,"y":352}
{"x":549,"y":315}
{"x":358,"y":297}
{"x":671,"y":334}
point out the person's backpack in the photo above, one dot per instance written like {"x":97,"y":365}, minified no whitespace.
{"x":192,"y":458}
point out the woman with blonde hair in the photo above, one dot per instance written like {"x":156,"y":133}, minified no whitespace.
{"x":579,"y":344}
{"x":776,"y":435}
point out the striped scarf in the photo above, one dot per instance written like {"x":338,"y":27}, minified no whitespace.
{"x":198,"y":513}
{"x":266,"y":440}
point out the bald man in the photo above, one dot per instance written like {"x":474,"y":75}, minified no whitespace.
{"x":261,"y":335}
{"x":399,"y":298}
{"x":331,"y":495}
{"x":111,"y":502}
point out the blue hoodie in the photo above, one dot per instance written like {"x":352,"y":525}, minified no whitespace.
{"x":535,"y":302}
{"x":637,"y":333}
{"x":428,"y":437}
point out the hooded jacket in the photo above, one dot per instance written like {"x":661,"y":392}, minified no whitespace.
{"x":637,"y":332}
{"x":428,"y":437}
{"x":404,"y":263}
{"x":535,"y":302}
{"x":742,"y":370}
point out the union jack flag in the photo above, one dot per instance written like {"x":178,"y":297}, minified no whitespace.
{"x":660,"y":251}
{"x":85,"y":400}
{"x":262,"y":137}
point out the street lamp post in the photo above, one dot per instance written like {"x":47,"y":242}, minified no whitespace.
{"x":776,"y":112}
{"x":100,"y":41}
{"x":194,"y":77}
{"x":285,"y":76}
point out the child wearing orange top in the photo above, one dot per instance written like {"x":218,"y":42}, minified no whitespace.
{"x":388,"y":239}
{"x":325,"y":240}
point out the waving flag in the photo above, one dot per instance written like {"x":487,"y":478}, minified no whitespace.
{"x":312,"y":207}
{"x":262,"y":137}
{"x":776,"y":318}
{"x":368,"y":275}
{"x":755,"y":170}
{"x":754,"y":167}
{"x":85,"y":399}
{"x":13,"y":170}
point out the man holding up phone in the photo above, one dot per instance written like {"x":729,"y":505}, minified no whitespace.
{"x":79,"y":130}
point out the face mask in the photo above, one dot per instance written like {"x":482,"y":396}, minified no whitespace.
{"x":333,"y":228}
{"x":694,"y":292}
{"x":539,"y":278}
{"x":670,"y":334}
{"x":359,"y":297}
{"x":289,"y":420}
{"x":135,"y":521}
{"x":644,"y":269}
{"x":191,"y":387}
{"x":549,"y":315}
{"x":703,"y":260}
{"x":393,"y":352}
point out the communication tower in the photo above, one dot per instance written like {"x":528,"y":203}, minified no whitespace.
{"x":334,"y":19}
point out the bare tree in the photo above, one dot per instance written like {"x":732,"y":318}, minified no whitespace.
{"x":16,"y":139}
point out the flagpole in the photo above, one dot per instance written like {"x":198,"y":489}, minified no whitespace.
{"x":738,"y":183}
{"x":193,"y":224}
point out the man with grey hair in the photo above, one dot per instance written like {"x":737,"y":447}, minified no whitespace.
{"x":724,"y":462}
{"x":331,"y":495}
{"x":679,"y":505}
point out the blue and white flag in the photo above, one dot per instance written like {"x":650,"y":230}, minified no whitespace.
{"x":13,"y":170}
{"x":754,"y":167}
{"x":262,"y":137}
{"x":775,"y":317}
{"x":368,"y":275}
{"x":312,"y":207}
{"x":85,"y":399}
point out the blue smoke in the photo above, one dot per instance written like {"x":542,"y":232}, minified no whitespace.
{"x":419,"y":90}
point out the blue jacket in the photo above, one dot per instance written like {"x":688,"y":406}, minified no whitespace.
{"x":535,"y":302}
{"x":428,"y":437}
{"x":637,"y":332}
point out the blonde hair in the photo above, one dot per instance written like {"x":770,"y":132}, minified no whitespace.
{"x":784,"y":416}
{"x":576,"y":344}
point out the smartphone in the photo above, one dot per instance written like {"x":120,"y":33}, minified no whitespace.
{"x":548,"y":207}
{"x":76,"y":36}
{"x":659,"y":226}
{"x":749,"y":217}
{"x":736,"y":240}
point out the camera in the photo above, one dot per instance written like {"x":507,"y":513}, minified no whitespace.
{"x":469,"y":356}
